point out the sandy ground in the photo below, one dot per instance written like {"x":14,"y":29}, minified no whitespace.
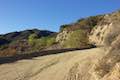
{"x":64,"y":66}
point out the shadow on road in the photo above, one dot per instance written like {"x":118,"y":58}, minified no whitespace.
{"x":35,"y":54}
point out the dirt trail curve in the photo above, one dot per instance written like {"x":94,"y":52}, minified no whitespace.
{"x":67,"y":66}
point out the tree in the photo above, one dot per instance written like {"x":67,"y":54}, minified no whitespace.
{"x":32,"y":39}
{"x":62,"y":27}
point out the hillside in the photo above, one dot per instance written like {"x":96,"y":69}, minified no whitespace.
{"x":107,"y":68}
{"x":73,"y":35}
{"x":100,"y":63}
{"x":18,"y":42}
{"x":14,"y":36}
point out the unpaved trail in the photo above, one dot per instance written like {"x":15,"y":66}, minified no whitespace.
{"x":66,"y":66}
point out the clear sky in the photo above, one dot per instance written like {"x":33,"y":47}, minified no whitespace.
{"x":16,"y":15}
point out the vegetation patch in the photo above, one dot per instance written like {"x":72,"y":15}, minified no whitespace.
{"x":40,"y":43}
{"x":76,"y":39}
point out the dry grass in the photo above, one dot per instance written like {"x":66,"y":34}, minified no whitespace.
{"x":105,"y":65}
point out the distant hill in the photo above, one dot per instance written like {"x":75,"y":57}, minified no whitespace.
{"x":18,"y":42}
{"x":14,"y":36}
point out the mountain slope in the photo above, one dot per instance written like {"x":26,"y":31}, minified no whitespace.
{"x":14,"y":36}
{"x":18,"y":42}
{"x":101,"y":63}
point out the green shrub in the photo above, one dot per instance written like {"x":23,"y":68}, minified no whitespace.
{"x":91,"y":21}
{"x":62,"y":27}
{"x":76,"y":39}
{"x":40,"y":43}
{"x":50,"y":41}
{"x":32,"y":39}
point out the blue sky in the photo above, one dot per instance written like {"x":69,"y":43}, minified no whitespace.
{"x":17,"y":15}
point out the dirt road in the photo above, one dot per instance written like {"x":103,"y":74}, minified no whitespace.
{"x":66,"y":66}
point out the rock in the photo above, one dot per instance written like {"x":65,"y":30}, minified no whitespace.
{"x":105,"y":32}
{"x":103,"y":68}
{"x":62,"y":36}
